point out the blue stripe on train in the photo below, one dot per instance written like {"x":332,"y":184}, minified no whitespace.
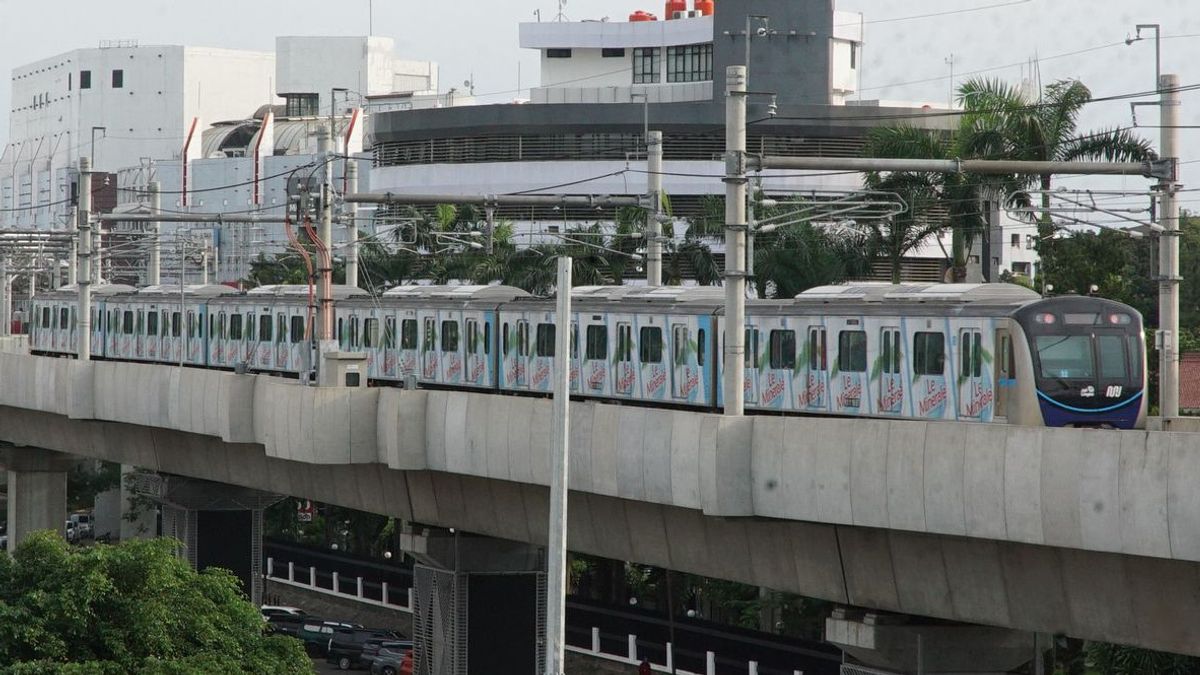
{"x":1122,"y":415}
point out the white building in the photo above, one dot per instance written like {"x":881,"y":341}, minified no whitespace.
{"x":119,"y":103}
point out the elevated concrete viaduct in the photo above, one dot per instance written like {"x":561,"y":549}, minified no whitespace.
{"x":1094,"y":534}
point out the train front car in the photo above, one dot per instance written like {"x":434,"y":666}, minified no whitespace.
{"x":1089,"y":361}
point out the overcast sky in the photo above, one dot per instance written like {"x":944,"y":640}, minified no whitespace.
{"x":905,"y":57}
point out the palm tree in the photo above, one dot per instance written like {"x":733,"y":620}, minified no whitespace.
{"x":895,"y":236}
{"x":1001,"y":122}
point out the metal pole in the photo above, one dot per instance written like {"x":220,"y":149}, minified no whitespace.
{"x":325,"y":234}
{"x":490,"y":212}
{"x":84,"y":348}
{"x":351,"y":211}
{"x":654,"y":167}
{"x":556,"y":554}
{"x":73,"y":263}
{"x":1168,"y":259}
{"x":5,"y":298}
{"x":154,"y":274}
{"x":183,"y":299}
{"x":204,"y":265}
{"x":98,"y":251}
{"x":983,"y":166}
{"x":735,"y":236}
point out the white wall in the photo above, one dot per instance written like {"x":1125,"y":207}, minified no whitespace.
{"x":225,"y":84}
{"x":587,"y":68}
{"x":364,"y":65}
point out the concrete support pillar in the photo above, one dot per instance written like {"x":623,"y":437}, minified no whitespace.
{"x":900,"y":643}
{"x":459,"y":581}
{"x":37,"y":491}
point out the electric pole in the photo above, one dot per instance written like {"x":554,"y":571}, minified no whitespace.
{"x":84,"y":281}
{"x":735,"y":237}
{"x":654,"y":167}
{"x":1168,"y":259}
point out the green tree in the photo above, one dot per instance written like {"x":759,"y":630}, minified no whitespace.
{"x":131,"y":608}
{"x":1110,"y":659}
{"x":895,"y":237}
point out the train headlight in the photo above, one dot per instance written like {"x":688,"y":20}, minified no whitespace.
{"x":1120,"y":319}
{"x":1045,"y":318}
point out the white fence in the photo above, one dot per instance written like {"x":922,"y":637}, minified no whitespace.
{"x":305,"y":577}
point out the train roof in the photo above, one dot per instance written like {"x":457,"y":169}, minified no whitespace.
{"x":989,"y":294}
{"x":338,"y":291}
{"x":102,"y":290}
{"x":500,"y":293}
{"x":194,"y":290}
{"x":673,"y":294}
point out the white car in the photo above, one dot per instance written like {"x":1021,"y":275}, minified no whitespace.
{"x":269,"y":611}
{"x":71,"y":533}
{"x":83,"y":524}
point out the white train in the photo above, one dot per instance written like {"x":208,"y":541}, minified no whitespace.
{"x":967,"y":352}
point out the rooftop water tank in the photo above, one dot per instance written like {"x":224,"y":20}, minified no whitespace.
{"x":675,"y":6}
{"x":642,"y":16}
{"x":705,"y":7}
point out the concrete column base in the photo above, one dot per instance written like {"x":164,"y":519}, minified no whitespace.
{"x":37,"y":491}
{"x":897,"y":643}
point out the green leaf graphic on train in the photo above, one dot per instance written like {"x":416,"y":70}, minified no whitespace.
{"x":877,"y":367}
{"x":803,"y":357}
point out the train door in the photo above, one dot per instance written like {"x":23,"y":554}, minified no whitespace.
{"x":451,"y":348}
{"x":1004,"y":378}
{"x":891,"y":382}
{"x":685,"y":368}
{"x":429,"y":360}
{"x":595,"y":373}
{"x":479,"y":337}
{"x":250,"y":338}
{"x":814,"y":395}
{"x":116,"y":328}
{"x":263,"y":355}
{"x":575,"y":365}
{"x":234,"y":338}
{"x":929,"y":373}
{"x":974,"y":394}
{"x":281,"y":347}
{"x":191,"y":341}
{"x":409,"y":345}
{"x":781,"y":364}
{"x":750,"y":363}
{"x":652,"y":366}
{"x":541,"y":364}
{"x":624,"y":375}
{"x":387,"y":364}
{"x":848,"y":384}
{"x":64,"y":323}
{"x":371,"y":338}
{"x":139,"y":334}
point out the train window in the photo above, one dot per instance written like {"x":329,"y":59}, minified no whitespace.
{"x":679,"y":348}
{"x":650,"y":344}
{"x":355,"y":336}
{"x":264,"y":328}
{"x":750,"y":348}
{"x":127,"y":322}
{"x":545,"y":339}
{"x":62,"y":318}
{"x":596,"y":348}
{"x":113,"y":320}
{"x":408,"y":334}
{"x":487,"y":338}
{"x":222,"y":327}
{"x":574,"y":340}
{"x":371,"y":333}
{"x":73,"y":320}
{"x":505,"y":345}
{"x":297,"y":329}
{"x":449,"y":336}
{"x":281,"y":328}
{"x":1135,"y":359}
{"x":624,"y":342}
{"x":817,"y":357}
{"x":1065,"y":356}
{"x":1113,"y":363}
{"x":141,"y":322}
{"x":152,"y":324}
{"x":929,"y":353}
{"x":892,"y":359}
{"x":389,"y":332}
{"x":852,"y":351}
{"x":977,"y":356}
{"x":472,"y":336}
{"x":249,"y":332}
{"x":235,"y":326}
{"x":191,"y":324}
{"x":45,"y":317}
{"x":430,"y":339}
{"x":523,"y":338}
{"x":783,"y":349}
{"x":701,"y":348}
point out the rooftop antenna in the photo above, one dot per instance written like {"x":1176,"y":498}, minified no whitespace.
{"x":561,"y":16}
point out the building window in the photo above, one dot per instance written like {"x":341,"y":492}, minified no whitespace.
{"x":612,"y":52}
{"x":85,"y":79}
{"x":1015,"y":240}
{"x":118,"y":79}
{"x":689,"y":63}
{"x":645,"y":65}
{"x":558,"y":53}
{"x":70,"y":78}
{"x":301,"y":105}
{"x":853,"y":56}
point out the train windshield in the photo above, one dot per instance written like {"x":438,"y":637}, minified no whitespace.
{"x":1083,"y":357}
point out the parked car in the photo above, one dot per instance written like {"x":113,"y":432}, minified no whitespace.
{"x":376,"y":646}
{"x":269,"y":611}
{"x":71,"y":533}
{"x":285,"y":624}
{"x":393,"y":664}
{"x":83,"y":524}
{"x":317,"y":633}
{"x":346,"y":646}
